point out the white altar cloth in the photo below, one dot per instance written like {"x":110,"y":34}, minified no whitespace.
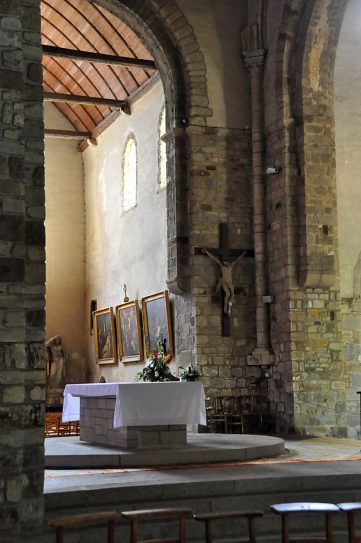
{"x":142,"y":404}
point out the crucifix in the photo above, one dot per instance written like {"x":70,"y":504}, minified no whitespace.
{"x":222,"y":257}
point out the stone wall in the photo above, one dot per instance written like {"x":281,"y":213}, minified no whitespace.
{"x":21,"y":271}
{"x":220,"y":192}
{"x":351,"y":340}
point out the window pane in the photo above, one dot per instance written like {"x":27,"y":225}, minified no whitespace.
{"x":130,"y":175}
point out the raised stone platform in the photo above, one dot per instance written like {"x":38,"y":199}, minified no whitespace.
{"x":70,"y":452}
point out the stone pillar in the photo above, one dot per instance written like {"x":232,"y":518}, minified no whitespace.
{"x":22,"y":375}
{"x":254,"y":60}
{"x":178,"y":234}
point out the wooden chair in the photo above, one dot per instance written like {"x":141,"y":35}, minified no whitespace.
{"x":285,"y":509}
{"x":52,"y":424}
{"x":254,"y":409}
{"x":74,"y":428}
{"x":152,"y":514}
{"x":250,"y":515}
{"x":108,"y":518}
{"x":234,"y":420}
{"x":54,"y":427}
{"x":350,"y":508}
{"x":215,"y":415}
{"x":224,"y":412}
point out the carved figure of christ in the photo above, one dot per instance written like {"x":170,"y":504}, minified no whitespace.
{"x":226,"y":280}
{"x":222,"y":255}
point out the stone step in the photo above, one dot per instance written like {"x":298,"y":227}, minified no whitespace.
{"x":71,"y":452}
{"x":214,"y":494}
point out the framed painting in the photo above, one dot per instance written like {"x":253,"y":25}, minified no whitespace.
{"x":129,"y":332}
{"x":157,"y":322}
{"x":104,"y":336}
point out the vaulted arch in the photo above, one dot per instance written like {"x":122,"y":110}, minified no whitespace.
{"x":302,"y":39}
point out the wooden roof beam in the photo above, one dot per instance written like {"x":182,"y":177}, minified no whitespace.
{"x":67,"y":134}
{"x":75,"y":54}
{"x":87,"y":100}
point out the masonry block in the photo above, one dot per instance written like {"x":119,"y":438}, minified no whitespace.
{"x":12,"y":269}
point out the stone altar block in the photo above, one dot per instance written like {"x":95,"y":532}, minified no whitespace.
{"x":135,"y":415}
{"x":96,"y":425}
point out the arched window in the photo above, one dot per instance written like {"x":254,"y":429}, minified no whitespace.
{"x":130,"y":174}
{"x":162,"y":176}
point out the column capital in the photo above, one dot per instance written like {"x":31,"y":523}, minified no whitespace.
{"x":254,"y":59}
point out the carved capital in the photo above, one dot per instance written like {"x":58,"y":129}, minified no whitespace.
{"x":174,"y":134}
{"x":253,"y":48}
{"x":254,"y":59}
{"x":178,"y":286}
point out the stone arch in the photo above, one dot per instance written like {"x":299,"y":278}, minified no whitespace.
{"x":169,"y":37}
{"x":301,"y":41}
{"x":308,"y":69}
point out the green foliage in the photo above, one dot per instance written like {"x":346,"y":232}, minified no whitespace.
{"x":189,"y":374}
{"x":157,"y":367}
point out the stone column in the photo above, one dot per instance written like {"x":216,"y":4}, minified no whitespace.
{"x":22,"y":275}
{"x":178,"y":280}
{"x":254,"y":54}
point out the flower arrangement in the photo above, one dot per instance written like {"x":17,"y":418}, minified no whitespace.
{"x":189,"y":374}
{"x":157,"y":366}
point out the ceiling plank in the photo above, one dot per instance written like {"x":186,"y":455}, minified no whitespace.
{"x":49,"y":50}
{"x":85,"y":100}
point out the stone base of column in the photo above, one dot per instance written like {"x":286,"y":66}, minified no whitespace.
{"x":260,"y":357}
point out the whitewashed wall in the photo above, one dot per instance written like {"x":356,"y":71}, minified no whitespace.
{"x":65,"y":243}
{"x":124,"y":247}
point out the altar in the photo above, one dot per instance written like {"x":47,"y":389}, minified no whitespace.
{"x":137,"y":414}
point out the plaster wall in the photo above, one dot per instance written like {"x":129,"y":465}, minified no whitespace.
{"x":65,"y":243}
{"x":348,"y":143}
{"x":217,"y":26}
{"x":124,"y":247}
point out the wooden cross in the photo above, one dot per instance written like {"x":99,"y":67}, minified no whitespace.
{"x":225,"y":255}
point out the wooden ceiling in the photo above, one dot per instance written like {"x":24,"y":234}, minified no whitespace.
{"x":111,"y":46}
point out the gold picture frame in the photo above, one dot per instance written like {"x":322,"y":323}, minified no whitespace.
{"x":104,"y":336}
{"x":157,"y":322}
{"x":129,"y":332}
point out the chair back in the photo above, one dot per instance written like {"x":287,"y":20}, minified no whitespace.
{"x":179,"y":513}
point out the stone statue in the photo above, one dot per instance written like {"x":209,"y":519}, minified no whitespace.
{"x":226,"y":280}
{"x":56,"y":366}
